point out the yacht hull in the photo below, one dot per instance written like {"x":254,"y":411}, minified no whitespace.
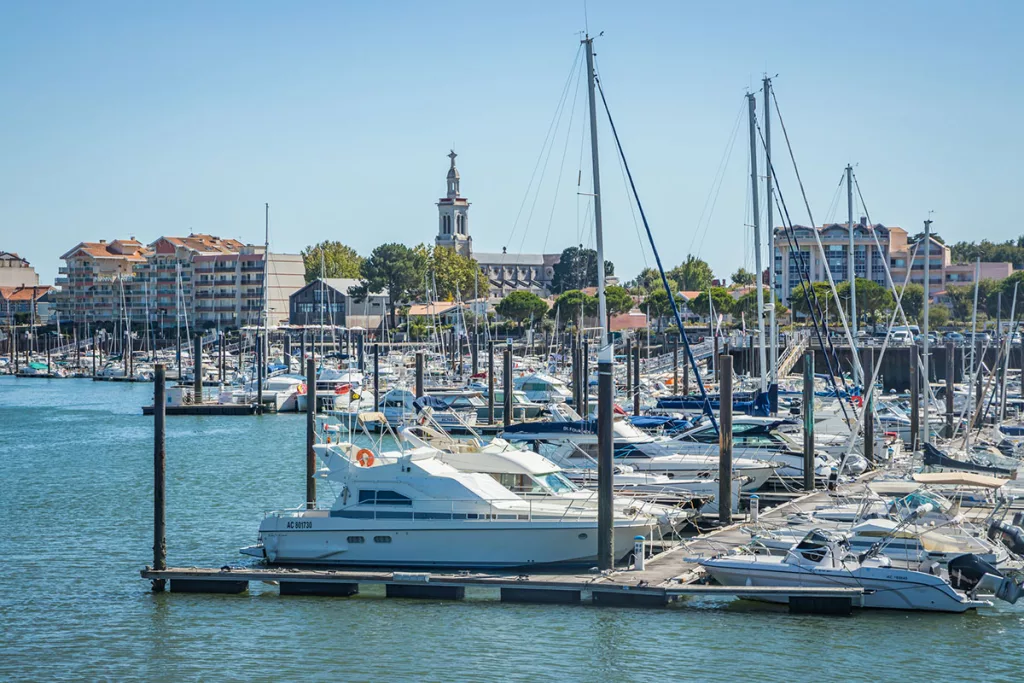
{"x":458,"y":544}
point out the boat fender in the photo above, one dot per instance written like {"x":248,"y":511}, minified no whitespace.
{"x":365,"y":457}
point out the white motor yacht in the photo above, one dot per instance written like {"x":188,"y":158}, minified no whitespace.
{"x":413,"y":510}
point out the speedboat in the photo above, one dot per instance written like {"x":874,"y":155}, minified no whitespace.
{"x":411,"y":509}
{"x":824,"y":560}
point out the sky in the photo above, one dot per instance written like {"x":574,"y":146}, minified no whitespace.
{"x":146,"y":119}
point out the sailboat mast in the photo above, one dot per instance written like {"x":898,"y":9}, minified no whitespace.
{"x":758,"y":268}
{"x":605,"y":387}
{"x":773,"y":330}
{"x":265,"y":313}
{"x":924,"y":318}
{"x":852,"y":266}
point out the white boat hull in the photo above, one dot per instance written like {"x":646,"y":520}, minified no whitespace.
{"x":884,"y":588}
{"x":414,"y":543}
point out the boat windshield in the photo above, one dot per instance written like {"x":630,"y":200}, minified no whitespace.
{"x":556,"y":482}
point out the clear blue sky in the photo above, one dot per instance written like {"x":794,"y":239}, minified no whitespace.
{"x":149,"y":119}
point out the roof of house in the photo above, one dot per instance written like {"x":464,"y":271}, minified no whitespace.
{"x":11,"y":256}
{"x":24,"y":293}
{"x":690,"y":295}
{"x":342,"y":285}
{"x":204,"y":243}
{"x":437,"y":308}
{"x":130,"y":250}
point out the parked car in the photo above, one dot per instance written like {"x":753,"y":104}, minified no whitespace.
{"x":954,"y":337}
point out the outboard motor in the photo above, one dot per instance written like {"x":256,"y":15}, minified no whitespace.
{"x":972,"y":574}
{"x":1010,"y":535}
{"x":1018,"y":518}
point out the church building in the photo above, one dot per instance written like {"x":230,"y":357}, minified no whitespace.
{"x":506,"y":272}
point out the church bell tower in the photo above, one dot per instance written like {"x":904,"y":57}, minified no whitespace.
{"x":453,"y":216}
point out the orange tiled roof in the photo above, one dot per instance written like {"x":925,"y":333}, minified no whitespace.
{"x":23,"y":293}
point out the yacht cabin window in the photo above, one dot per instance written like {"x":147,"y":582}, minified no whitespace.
{"x":382,"y":497}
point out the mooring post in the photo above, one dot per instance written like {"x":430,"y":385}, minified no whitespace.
{"x":376,"y":377}
{"x":868,"y":363}
{"x":915,"y":400}
{"x":49,"y":369}
{"x":750,"y":355}
{"x":288,"y":351}
{"x":474,"y":350}
{"x":950,"y":370}
{"x":95,"y":351}
{"x":979,"y":390}
{"x":605,"y":457}
{"x":718,"y":369}
{"x":675,"y":366}
{"x":507,"y":385}
{"x":574,"y":373}
{"x":359,"y":350}
{"x":159,"y":474}
{"x":259,"y":377}
{"x":490,"y":382}
{"x":419,"y":374}
{"x":807,"y":411}
{"x":629,"y":369}
{"x":725,"y":442}
{"x":585,"y":377}
{"x":686,"y":377}
{"x":310,"y":434}
{"x":223,"y":356}
{"x":302,"y":349}
{"x":197,"y":368}
{"x":177,"y":351}
{"x":636,"y":380}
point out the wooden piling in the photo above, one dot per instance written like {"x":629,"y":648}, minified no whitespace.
{"x":159,"y":474}
{"x":629,"y":369}
{"x":725,"y":442}
{"x":950,"y":369}
{"x":807,"y":412}
{"x":686,"y":377}
{"x":376,"y":378}
{"x":288,"y":351}
{"x":49,"y":368}
{"x":915,"y":400}
{"x":197,"y":369}
{"x":419,"y":374}
{"x":95,"y":351}
{"x":474,"y":351}
{"x":714,"y":358}
{"x":310,"y":434}
{"x":490,"y":382}
{"x":359,"y":350}
{"x":585,"y":377}
{"x":507,"y":386}
{"x":259,"y":376}
{"x":868,"y":363}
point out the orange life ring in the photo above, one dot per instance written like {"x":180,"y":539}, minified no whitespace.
{"x":858,"y":401}
{"x":365,"y":457}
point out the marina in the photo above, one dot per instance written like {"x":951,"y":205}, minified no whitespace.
{"x":298,"y":412}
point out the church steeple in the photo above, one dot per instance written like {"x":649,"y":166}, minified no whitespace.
{"x":453,"y":216}
{"x":453,"y":177}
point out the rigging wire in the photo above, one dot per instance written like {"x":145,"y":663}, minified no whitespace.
{"x":716,"y":185}
{"x":561,"y":166}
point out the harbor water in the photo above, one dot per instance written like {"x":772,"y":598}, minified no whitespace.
{"x":76,"y":461}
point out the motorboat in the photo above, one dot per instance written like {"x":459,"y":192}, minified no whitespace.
{"x":823,"y":559}
{"x":400,"y":408}
{"x":408,"y":508}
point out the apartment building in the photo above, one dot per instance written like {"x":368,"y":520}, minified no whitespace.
{"x":31,"y":305}
{"x":206,"y":281}
{"x":16,"y":271}
{"x":868,"y":260}
{"x":942,"y":271}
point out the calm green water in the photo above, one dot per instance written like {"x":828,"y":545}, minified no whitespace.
{"x":75,"y":529}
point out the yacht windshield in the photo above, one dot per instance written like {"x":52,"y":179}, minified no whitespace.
{"x":556,"y":482}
